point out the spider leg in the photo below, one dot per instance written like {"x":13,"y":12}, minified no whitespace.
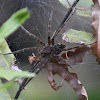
{"x":65,"y":20}
{"x":49,"y":28}
{"x":22,"y":50}
{"x":37,"y":67}
{"x":81,"y":45}
{"x":52,"y":41}
{"x":34,"y":36}
{"x":26,"y":81}
{"x":52,"y":81}
{"x":63,"y":60}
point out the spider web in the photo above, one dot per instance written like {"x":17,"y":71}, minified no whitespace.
{"x":39,"y":88}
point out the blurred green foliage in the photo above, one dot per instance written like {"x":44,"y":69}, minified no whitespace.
{"x":6,"y":29}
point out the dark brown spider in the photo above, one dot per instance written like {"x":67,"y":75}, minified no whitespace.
{"x":54,"y":58}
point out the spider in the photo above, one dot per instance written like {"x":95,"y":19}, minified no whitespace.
{"x":54,"y":58}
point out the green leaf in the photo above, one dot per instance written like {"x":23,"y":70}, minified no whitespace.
{"x":10,"y":74}
{"x":85,"y":13}
{"x":4,"y":95}
{"x":82,"y":3}
{"x":13,"y":23}
{"x":5,"y":60}
{"x":74,"y":36}
{"x":65,"y":3}
{"x":85,"y":3}
{"x":6,"y":85}
{"x":83,"y":7}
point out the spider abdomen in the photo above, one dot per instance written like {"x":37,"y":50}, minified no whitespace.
{"x":58,"y":48}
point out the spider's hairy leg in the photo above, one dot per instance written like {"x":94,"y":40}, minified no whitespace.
{"x":63,"y":60}
{"x":53,"y":42}
{"x":82,"y":45}
{"x":37,"y":67}
{"x":34,"y":36}
{"x":65,"y":20}
{"x":25,"y":82}
{"x":22,"y":50}
{"x":49,"y":27}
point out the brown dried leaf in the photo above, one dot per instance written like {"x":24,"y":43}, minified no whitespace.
{"x":71,"y":78}
{"x":96,"y":27}
{"x":94,"y":49}
{"x":52,"y":81}
{"x":77,"y":56}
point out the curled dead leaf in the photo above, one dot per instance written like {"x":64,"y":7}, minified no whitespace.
{"x":61,"y":69}
{"x":96,"y":27}
{"x":77,"y":56}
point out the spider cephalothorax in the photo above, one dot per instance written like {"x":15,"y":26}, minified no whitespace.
{"x":52,"y":50}
{"x":55,"y":61}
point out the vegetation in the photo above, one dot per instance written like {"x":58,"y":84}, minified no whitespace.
{"x":6,"y":73}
